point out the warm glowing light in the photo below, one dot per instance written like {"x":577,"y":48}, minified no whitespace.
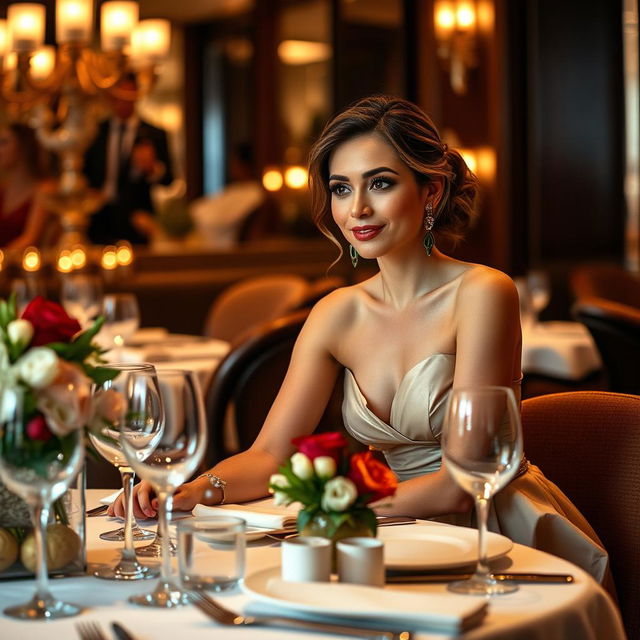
{"x":151,"y":40}
{"x":486,"y":163}
{"x":272,"y":180}
{"x":4,"y":37}
{"x":303,"y":51}
{"x":74,"y":20}
{"x":118,"y":21}
{"x":64,"y":263}
{"x":295,"y":177}
{"x":469,"y":156}
{"x":124,"y":254}
{"x":42,"y":62}
{"x":465,"y":16}
{"x":11,"y":61}
{"x":26,"y":26}
{"x":109,"y":259}
{"x":1,"y":259}
{"x":444,"y":18}
{"x":31,"y":260}
{"x":78,"y":257}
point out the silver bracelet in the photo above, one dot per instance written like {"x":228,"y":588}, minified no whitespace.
{"x":216,"y":482}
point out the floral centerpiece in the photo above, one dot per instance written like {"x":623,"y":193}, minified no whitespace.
{"x":334,"y":488}
{"x":46,"y":357}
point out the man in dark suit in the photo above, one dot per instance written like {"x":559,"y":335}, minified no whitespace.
{"x":125,"y":160}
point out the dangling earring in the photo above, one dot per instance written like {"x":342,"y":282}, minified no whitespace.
{"x":429,"y":241}
{"x":353,"y":254}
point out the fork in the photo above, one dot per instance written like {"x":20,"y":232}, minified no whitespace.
{"x":227,"y":617}
{"x":90,"y":631}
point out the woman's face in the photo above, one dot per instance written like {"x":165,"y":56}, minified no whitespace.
{"x":9,"y":153}
{"x":375,"y":199}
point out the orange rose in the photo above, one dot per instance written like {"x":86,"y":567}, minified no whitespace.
{"x":371,"y":476}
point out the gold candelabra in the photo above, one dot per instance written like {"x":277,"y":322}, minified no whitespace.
{"x":58,"y":90}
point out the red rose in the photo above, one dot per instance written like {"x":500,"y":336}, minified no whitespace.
{"x":37,"y":429}
{"x":371,"y":476}
{"x":322,"y":444}
{"x":50,"y":321}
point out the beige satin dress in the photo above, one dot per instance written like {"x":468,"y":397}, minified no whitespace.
{"x":531,"y":510}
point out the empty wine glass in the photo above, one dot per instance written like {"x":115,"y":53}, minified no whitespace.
{"x":174,"y":459}
{"x":108,"y":443}
{"x":39,"y":475}
{"x":26,"y":289}
{"x":121,"y":319}
{"x":482,"y":449}
{"x":539,"y":290}
{"x":81,"y":297}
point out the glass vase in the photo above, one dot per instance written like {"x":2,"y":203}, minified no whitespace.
{"x":16,"y":529}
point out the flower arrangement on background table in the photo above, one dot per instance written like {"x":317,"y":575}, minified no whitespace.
{"x":334,"y":488}
{"x":48,"y":362}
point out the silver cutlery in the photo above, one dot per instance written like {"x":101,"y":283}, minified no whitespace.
{"x":509,"y":576}
{"x":90,"y":631}
{"x":97,"y":511}
{"x":383,"y":521}
{"x":225,"y":616}
{"x":120,"y":632}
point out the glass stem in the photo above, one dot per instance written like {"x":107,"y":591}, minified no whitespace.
{"x":482,"y":514}
{"x":40,"y":518}
{"x":165,"y":505}
{"x":128,"y":553}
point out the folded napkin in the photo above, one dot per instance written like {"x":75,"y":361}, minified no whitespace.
{"x":110,"y":498}
{"x":437,"y":611}
{"x":183,"y":348}
{"x":260,"y":513}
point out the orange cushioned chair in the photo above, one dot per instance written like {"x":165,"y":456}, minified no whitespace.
{"x":588,"y":443}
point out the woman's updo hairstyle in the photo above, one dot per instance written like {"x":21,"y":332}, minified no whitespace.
{"x":415,"y":139}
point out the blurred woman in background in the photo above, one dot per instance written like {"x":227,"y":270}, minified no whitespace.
{"x":23,"y":173}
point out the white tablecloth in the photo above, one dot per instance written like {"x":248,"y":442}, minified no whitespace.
{"x":580,"y":611}
{"x":174,"y":351}
{"x":559,"y":349}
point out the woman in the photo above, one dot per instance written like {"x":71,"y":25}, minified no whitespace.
{"x":22,"y":170}
{"x":424,"y":324}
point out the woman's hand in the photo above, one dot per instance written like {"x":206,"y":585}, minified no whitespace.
{"x":145,"y":503}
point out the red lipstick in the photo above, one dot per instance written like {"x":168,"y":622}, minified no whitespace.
{"x":366,"y":232}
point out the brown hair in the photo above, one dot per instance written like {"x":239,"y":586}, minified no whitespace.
{"x":34,"y":155}
{"x":413,"y":136}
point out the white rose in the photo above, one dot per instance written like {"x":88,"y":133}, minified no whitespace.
{"x":20,"y":331}
{"x":281,"y":499}
{"x":301,"y":466}
{"x":339,"y":494}
{"x":278,"y":480}
{"x":38,"y":367}
{"x":325,"y":466}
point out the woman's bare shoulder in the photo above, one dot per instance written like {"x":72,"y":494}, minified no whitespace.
{"x":480,"y":279}
{"x":340,"y":305}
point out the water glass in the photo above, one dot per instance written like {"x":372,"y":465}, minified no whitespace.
{"x":211,"y":552}
{"x":121,"y":319}
{"x":81,"y":297}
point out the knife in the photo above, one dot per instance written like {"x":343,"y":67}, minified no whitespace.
{"x":97,"y":511}
{"x":541,"y":578}
{"x":121,"y":632}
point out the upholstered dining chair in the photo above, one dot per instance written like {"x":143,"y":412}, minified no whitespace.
{"x":247,"y":381}
{"x":588,"y":443}
{"x":615,"y":328}
{"x":609,"y":281}
{"x":253,"y":301}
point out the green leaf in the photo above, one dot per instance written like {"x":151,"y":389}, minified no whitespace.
{"x":304,"y":516}
{"x":100,"y":375}
{"x":368,"y":517}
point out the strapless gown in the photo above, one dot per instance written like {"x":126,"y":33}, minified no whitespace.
{"x":531,"y":510}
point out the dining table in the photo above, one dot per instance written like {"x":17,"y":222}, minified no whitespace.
{"x":581,"y":610}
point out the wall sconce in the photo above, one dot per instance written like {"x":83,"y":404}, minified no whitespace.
{"x":456,"y":28}
{"x":481,"y":161}
{"x":296,"y":177}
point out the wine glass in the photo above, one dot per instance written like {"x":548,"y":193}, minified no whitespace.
{"x":174,"y":459}
{"x":121,"y":319}
{"x":39,"y":474}
{"x":26,"y":289}
{"x":482,"y":449}
{"x":81,"y":297}
{"x":108,"y":443}
{"x":539,"y":290}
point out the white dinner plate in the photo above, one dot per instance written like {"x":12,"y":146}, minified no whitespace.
{"x":433,"y":547}
{"x":442,"y":612}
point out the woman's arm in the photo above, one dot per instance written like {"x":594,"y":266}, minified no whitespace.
{"x":487,"y":353}
{"x":296,"y":411}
